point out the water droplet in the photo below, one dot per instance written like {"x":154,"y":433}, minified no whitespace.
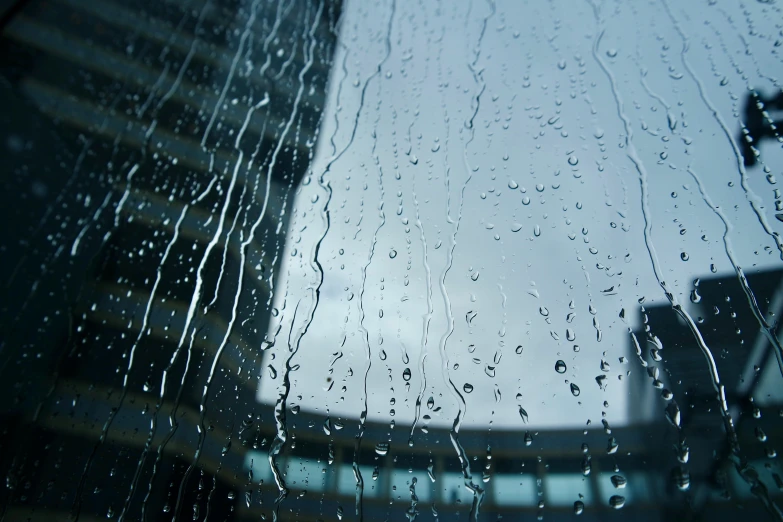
{"x":512,"y":184}
{"x":519,"y":349}
{"x":522,"y":413}
{"x":616,"y":501}
{"x":611,"y":53}
{"x":516,"y":227}
{"x":673,"y":413}
{"x":528,"y":439}
{"x":684,"y":256}
{"x":382,"y":448}
{"x":526,"y":201}
{"x":560,"y":367}
{"x":573,"y":160}
{"x":579,"y":507}
{"x":392,"y":253}
{"x":467,"y":387}
{"x":619,"y":481}
{"x":682,"y":478}
{"x":570,"y":335}
{"x":406,"y":374}
{"x":683,"y":451}
{"x":575,"y":391}
{"x":543,"y":311}
{"x":586,"y":465}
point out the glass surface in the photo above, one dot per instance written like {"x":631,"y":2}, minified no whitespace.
{"x":385,"y":260}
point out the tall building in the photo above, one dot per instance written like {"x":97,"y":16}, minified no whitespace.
{"x":681,"y":384}
{"x":153,"y":152}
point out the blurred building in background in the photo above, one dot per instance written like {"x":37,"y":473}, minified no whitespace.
{"x":151,"y":155}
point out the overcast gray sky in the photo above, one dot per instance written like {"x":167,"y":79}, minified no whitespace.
{"x":486,"y":166}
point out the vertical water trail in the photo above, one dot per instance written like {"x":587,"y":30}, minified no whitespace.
{"x":478,"y":492}
{"x":66,"y":189}
{"x":199,"y":280}
{"x":338,"y":107}
{"x":118,"y":210}
{"x":280,"y":405}
{"x":107,"y":425}
{"x":366,"y":336}
{"x":632,"y":155}
{"x":745,"y":471}
{"x":76,"y":506}
{"x":142,"y":332}
{"x":164,"y":379}
{"x":769,"y":330}
{"x":753,"y":199}
{"x":230,"y":232}
{"x":280,"y":15}
{"x":226,"y":245}
{"x":232,"y":69}
{"x":309,"y":58}
{"x":281,"y":427}
{"x":426,"y":317}
{"x":95,"y":217}
{"x":183,"y":67}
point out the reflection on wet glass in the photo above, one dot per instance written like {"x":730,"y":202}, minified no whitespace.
{"x":298,"y":260}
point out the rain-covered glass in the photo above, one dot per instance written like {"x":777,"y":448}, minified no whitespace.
{"x":305,"y":260}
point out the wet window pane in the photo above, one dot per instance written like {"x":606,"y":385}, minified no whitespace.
{"x":387,"y":259}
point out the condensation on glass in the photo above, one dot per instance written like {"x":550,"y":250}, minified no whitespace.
{"x":385,"y":260}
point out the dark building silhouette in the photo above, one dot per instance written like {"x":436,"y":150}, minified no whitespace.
{"x":749,"y":372}
{"x":758,"y":124}
{"x":151,"y":152}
